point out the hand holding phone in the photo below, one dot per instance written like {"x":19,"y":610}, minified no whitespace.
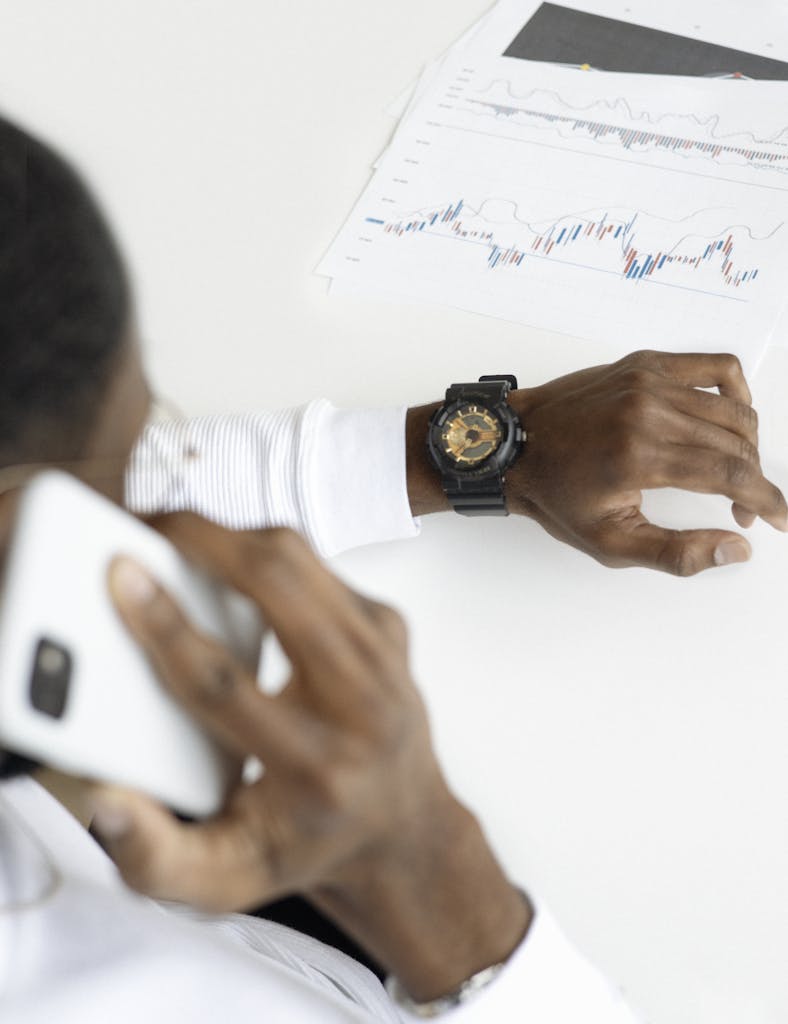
{"x":352,"y":808}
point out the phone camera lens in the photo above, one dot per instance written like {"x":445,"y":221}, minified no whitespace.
{"x":49,"y":682}
{"x":51,"y":660}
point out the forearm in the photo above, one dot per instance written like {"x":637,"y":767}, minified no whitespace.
{"x":436,"y":920}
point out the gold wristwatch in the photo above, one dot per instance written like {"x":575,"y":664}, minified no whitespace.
{"x":472,"y":439}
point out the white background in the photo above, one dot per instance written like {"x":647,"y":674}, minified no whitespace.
{"x":621,"y":734}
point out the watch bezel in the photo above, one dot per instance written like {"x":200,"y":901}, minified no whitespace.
{"x":494,"y":464}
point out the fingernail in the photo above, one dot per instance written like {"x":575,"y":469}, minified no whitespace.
{"x":731,"y":551}
{"x":131,"y":583}
{"x":110,"y":820}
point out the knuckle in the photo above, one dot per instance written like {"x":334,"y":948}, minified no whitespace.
{"x":686,"y":563}
{"x":636,"y":379}
{"x":632,"y":451}
{"x":165,"y":620}
{"x":391,"y":622}
{"x":286,"y":542}
{"x":279,"y":546}
{"x":635,"y":403}
{"x":624,"y":457}
{"x":334,"y":787}
{"x":738,"y":472}
{"x":216,"y":683}
{"x":270,"y":554}
{"x":637,"y":407}
{"x":748,"y":452}
{"x":381,"y":665}
{"x":392,"y":724}
{"x":643,"y":357}
{"x":747,"y":417}
{"x":680,"y":559}
{"x":252,"y":556}
{"x":732,"y":365}
{"x":383,"y":647}
{"x":778,"y":500}
{"x":383,"y":709}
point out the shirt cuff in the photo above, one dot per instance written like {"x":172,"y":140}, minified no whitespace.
{"x":359,"y":488}
{"x":545,"y":980}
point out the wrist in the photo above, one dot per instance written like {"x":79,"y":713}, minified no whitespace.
{"x":518,"y":478}
{"x":435,"y":910}
{"x":425,"y":491}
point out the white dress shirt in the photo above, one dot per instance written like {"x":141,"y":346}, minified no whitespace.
{"x":76,"y":945}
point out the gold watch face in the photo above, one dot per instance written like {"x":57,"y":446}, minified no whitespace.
{"x":471,"y":434}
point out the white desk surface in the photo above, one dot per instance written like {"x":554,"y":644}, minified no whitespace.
{"x":622,"y":734}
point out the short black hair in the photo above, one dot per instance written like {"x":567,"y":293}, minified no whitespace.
{"x":64,"y":303}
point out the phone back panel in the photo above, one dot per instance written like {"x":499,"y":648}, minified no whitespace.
{"x":117,"y":723}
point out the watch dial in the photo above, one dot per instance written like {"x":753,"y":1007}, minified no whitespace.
{"x":471,"y":434}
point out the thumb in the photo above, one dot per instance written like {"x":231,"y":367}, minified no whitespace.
{"x":138,"y":834}
{"x":743,"y":516}
{"x":679,"y":552}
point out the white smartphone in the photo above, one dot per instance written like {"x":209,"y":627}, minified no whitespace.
{"x":76,"y":692}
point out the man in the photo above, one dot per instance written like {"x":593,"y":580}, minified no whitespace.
{"x":352,"y":810}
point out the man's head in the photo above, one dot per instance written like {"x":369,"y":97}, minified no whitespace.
{"x":70,"y":383}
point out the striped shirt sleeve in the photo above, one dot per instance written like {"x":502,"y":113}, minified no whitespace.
{"x":337,"y":476}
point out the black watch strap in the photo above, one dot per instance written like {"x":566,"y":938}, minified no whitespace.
{"x":476,"y":497}
{"x":489,"y":389}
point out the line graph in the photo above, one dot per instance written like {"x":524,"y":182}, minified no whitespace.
{"x":710,"y":124}
{"x":672,"y":251}
{"x":630,"y":138}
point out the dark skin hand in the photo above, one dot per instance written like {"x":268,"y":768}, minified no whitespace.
{"x":352,"y":810}
{"x":597,"y":438}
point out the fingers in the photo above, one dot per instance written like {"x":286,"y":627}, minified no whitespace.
{"x":706,"y":434}
{"x":711,"y":443}
{"x":689,"y":431}
{"x":736,"y":420}
{"x":219,"y":865}
{"x":321,"y":624}
{"x":697,"y":370}
{"x":743,"y":516}
{"x":727,"y":413}
{"x":679,"y":552}
{"x":709,"y":471}
{"x":201,"y":674}
{"x":342,"y":647}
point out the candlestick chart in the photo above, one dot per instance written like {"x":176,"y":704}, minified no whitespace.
{"x":701,"y":248}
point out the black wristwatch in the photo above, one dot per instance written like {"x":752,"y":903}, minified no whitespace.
{"x":473,"y":438}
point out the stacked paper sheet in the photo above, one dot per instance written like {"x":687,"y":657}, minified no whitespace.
{"x":644,"y":210}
